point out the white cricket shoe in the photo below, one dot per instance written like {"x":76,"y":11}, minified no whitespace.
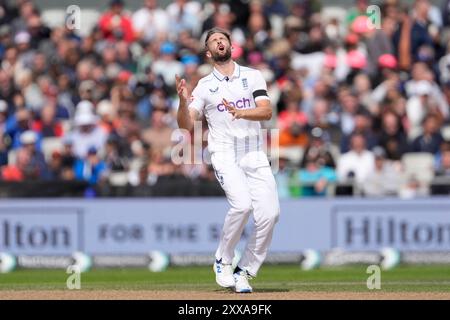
{"x":241,"y":282}
{"x":224,"y":274}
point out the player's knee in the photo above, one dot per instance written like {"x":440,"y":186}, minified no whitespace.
{"x":271,"y":215}
{"x":243,"y":206}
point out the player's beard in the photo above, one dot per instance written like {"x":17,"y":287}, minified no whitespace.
{"x":218,"y":57}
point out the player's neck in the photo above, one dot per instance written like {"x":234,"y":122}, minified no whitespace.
{"x":226,"y":68}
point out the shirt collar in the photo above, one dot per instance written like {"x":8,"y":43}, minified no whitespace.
{"x":236,"y":72}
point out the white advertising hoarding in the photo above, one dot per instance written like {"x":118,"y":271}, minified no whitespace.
{"x":193,"y":225}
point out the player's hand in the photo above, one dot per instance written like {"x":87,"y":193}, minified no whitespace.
{"x":237,"y":114}
{"x":181,"y":89}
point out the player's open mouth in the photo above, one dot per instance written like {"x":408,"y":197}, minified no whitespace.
{"x":221,"y":47}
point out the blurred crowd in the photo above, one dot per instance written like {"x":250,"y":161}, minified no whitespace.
{"x":359,"y":98}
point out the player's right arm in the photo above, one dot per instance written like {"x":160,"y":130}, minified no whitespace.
{"x":185,"y":115}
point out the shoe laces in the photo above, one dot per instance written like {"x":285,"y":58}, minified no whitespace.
{"x":245,"y":274}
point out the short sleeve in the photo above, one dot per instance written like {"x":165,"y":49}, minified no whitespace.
{"x":259,"y":87}
{"x":197,"y":101}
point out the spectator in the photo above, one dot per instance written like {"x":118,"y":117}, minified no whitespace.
{"x":115,"y":24}
{"x":350,"y":106}
{"x":363,"y":125}
{"x":385,"y":180}
{"x":3,"y":118}
{"x":158,"y":136}
{"x":55,"y":166}
{"x":292,"y":123}
{"x":359,"y":9}
{"x":319,"y":147}
{"x":419,"y":105}
{"x":90,"y":168}
{"x":393,"y":137}
{"x":443,"y":169}
{"x":20,"y":170}
{"x":356,"y":164}
{"x":183,"y":16}
{"x":87,"y":133}
{"x":151,"y":23}
{"x":315,"y":177}
{"x":166,"y":65}
{"x":48,"y":125}
{"x":431,"y":139}
{"x":20,"y":122}
{"x":412,"y":34}
{"x":113,"y":159}
{"x":38,"y":165}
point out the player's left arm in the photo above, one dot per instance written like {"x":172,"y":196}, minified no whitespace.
{"x":263,"y":110}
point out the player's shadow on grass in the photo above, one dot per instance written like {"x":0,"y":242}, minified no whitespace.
{"x":259,"y":290}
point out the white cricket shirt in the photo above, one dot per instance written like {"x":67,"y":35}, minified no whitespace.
{"x":241,"y":90}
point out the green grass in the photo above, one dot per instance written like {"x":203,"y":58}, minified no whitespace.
{"x":271,"y":279}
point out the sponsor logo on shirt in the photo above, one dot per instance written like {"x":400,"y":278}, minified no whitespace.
{"x":243,"y":103}
{"x":214,"y":90}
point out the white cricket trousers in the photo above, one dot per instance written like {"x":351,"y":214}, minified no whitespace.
{"x":250,"y":188}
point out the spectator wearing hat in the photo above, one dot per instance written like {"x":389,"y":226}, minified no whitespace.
{"x":419,"y":105}
{"x":87,"y":133}
{"x":90,"y":168}
{"x":38,"y":165}
{"x":190,"y":63}
{"x":422,"y":80}
{"x":357,"y":62}
{"x":115,"y":24}
{"x":387,"y":65}
{"x":166,"y":64}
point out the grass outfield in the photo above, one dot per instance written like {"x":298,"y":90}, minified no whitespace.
{"x":272,"y":278}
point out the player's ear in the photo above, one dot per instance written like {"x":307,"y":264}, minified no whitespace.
{"x":208,"y":54}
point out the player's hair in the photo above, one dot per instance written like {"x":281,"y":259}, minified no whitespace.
{"x":210,"y":32}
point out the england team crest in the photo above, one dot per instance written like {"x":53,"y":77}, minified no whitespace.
{"x":245,"y":83}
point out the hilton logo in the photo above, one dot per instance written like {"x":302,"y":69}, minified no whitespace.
{"x":375,"y":230}
{"x":17,"y":235}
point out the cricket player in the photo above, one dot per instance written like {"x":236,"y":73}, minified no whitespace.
{"x":234,"y":99}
